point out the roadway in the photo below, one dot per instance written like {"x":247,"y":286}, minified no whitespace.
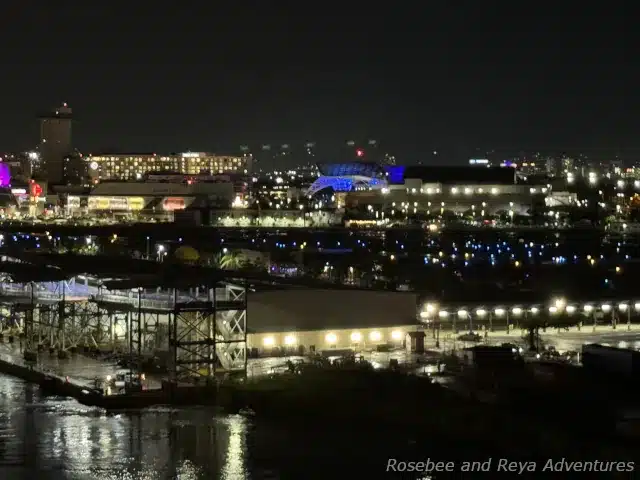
{"x":257,"y":367}
{"x":169,"y":230}
{"x":623,"y":336}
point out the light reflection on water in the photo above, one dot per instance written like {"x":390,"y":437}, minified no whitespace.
{"x":58,"y":438}
{"x":51,"y":438}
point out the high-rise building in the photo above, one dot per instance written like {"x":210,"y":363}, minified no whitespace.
{"x":55,"y":142}
{"x":132,"y":166}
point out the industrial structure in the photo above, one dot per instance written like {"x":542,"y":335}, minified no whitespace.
{"x":201,"y":324}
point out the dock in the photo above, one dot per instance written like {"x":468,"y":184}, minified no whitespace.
{"x":51,"y":378}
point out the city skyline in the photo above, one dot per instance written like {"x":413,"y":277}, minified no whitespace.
{"x":449,"y":79}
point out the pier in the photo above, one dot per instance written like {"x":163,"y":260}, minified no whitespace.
{"x":195,"y":320}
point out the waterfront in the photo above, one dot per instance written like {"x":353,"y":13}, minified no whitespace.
{"x":58,"y":438}
{"x":55,"y":438}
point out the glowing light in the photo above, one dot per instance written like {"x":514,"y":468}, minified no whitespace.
{"x":346,"y":183}
{"x":375,"y":336}
{"x":268,"y":341}
{"x":5,"y":175}
{"x":356,"y":337}
{"x":462,"y":313}
{"x":516,"y":311}
{"x":290,"y":340}
{"x":331,"y":338}
{"x":396,"y":335}
{"x":480,"y":312}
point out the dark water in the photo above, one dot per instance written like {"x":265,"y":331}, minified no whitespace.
{"x":43,"y":437}
{"x":55,"y":438}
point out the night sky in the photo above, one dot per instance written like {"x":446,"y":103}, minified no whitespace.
{"x":450,"y":76}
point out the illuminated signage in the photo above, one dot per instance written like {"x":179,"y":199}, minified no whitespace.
{"x":191,"y":155}
{"x":19,"y":191}
{"x":98,"y":203}
{"x":73,"y":202}
{"x":478,"y":161}
{"x":35,"y":190}
{"x":116,"y":203}
{"x":173,"y":203}
{"x":135,"y":203}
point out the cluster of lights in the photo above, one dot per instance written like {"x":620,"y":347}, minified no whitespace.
{"x":331,"y":338}
{"x":431,"y":310}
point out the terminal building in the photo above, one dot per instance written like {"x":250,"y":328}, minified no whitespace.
{"x":430,"y":189}
{"x":157,"y":196}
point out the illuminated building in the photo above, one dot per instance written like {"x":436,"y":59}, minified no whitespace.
{"x":347,"y":177}
{"x":134,"y":166}
{"x":5,"y":175}
{"x":428,"y":189}
{"x":159,"y":197}
{"x":55,"y":141}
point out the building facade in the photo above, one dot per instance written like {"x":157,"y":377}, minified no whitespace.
{"x":55,"y":142}
{"x":134,"y":166}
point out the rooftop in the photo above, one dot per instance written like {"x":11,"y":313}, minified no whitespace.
{"x":456,"y":174}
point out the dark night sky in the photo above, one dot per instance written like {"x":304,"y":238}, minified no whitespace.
{"x":445,"y":75}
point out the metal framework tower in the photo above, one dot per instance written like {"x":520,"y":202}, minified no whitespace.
{"x":209,"y":337}
{"x":142,"y":329}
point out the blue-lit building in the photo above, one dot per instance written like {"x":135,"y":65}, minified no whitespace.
{"x":349,"y":177}
{"x":426,"y":188}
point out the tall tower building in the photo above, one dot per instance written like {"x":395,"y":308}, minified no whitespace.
{"x":55,"y":142}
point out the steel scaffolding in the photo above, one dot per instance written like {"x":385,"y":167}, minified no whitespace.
{"x":203,"y":331}
{"x":209,"y":337}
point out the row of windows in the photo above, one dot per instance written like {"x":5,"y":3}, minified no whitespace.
{"x":133,"y":167}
